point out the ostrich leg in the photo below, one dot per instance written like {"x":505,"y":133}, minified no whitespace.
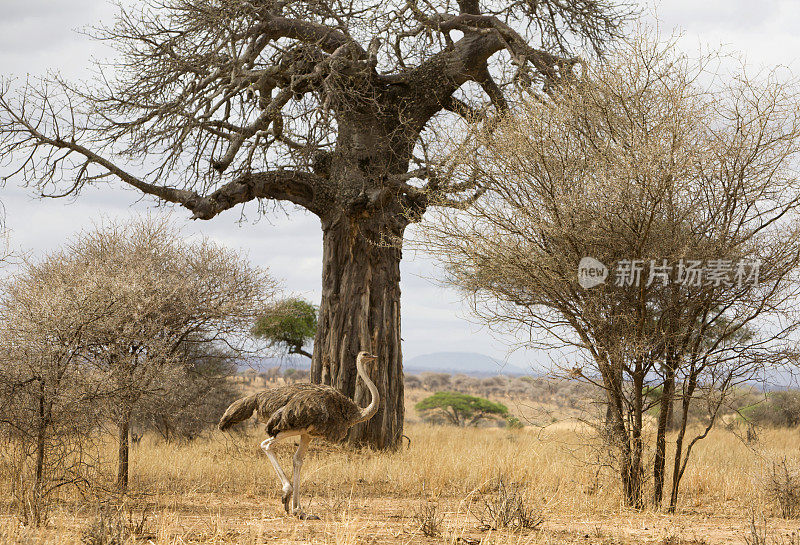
{"x":305,"y":439}
{"x":266,"y":447}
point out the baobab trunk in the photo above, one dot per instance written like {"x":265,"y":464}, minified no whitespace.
{"x":360,"y":310}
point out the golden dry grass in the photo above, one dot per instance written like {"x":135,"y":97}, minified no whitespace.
{"x":222,"y":489}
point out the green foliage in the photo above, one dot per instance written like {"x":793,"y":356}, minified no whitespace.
{"x":653,"y":393}
{"x":460,"y":409}
{"x":514,"y":423}
{"x":780,"y":409}
{"x":289,"y":323}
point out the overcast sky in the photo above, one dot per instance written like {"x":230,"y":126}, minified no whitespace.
{"x":40,"y":35}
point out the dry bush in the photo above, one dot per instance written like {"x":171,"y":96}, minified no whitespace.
{"x":506,"y":508}
{"x":429,"y":519}
{"x":777,"y":409}
{"x":783,"y":488}
{"x":435,"y":381}
{"x":759,"y":533}
{"x":678,"y":540}
{"x":412,"y":382}
{"x":116,"y":525}
{"x":123,"y":325}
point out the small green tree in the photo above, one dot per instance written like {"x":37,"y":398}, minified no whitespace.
{"x":460,"y":409}
{"x":289,"y":323}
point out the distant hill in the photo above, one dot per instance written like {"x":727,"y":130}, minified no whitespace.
{"x":293,"y":361}
{"x":467,"y":363}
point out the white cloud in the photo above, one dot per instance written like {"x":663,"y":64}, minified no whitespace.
{"x":734,"y":15}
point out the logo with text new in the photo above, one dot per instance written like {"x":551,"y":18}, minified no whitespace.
{"x":591,"y":272}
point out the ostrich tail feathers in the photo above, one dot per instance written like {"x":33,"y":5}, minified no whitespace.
{"x":238,"y":411}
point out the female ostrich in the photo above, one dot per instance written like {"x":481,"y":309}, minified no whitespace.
{"x":307,"y":410}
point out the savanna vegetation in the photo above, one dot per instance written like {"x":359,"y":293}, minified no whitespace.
{"x":127,"y":328}
{"x":219,"y":488}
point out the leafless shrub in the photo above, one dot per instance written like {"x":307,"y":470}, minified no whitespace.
{"x":429,"y":519}
{"x":435,"y":381}
{"x":412,"y":381}
{"x":292,"y":375}
{"x":758,"y":532}
{"x":783,"y":488}
{"x":780,"y":409}
{"x":506,"y":508}
{"x":116,"y":525}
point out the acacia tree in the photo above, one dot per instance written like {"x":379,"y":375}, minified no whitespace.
{"x":167,"y":296}
{"x":685,"y":193}
{"x":290,"y":324}
{"x":48,"y":399}
{"x":198,"y":395}
{"x":460,"y":409}
{"x":215,"y":103}
{"x":127,"y":304}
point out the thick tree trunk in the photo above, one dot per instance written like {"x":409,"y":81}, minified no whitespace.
{"x":360,"y":310}
{"x":122,"y":461}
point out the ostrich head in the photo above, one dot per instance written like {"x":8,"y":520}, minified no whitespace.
{"x":366,"y":357}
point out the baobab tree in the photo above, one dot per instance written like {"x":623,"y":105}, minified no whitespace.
{"x":215,"y":103}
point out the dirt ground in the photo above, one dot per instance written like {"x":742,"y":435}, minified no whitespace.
{"x":212,"y":519}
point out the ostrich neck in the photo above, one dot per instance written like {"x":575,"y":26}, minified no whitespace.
{"x":372,"y":408}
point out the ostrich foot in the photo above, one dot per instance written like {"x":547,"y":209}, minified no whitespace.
{"x":286,"y":498}
{"x":302,"y":515}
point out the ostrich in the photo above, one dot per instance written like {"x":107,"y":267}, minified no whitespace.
{"x":307,"y":410}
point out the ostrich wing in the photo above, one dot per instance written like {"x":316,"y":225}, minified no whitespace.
{"x":320,"y":410}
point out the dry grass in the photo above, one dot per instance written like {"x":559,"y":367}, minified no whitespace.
{"x":221,"y":489}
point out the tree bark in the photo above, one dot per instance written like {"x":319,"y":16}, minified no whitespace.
{"x":664,"y":425}
{"x":623,"y":441}
{"x":41,"y":437}
{"x":630,"y":472}
{"x":41,"y":433}
{"x":360,"y":310}
{"x":637,"y":446}
{"x":122,"y":467}
{"x":678,"y":468}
